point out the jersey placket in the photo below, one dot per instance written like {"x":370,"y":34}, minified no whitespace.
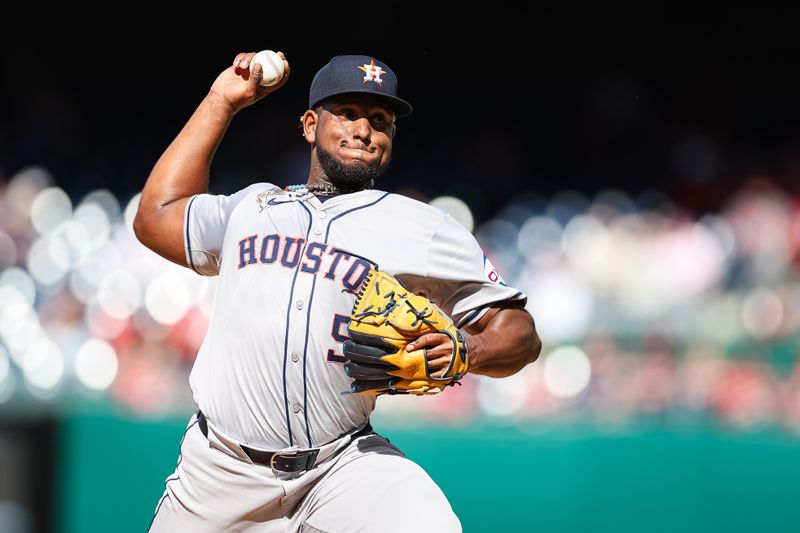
{"x":296,"y":324}
{"x":295,"y":367}
{"x":316,"y":231}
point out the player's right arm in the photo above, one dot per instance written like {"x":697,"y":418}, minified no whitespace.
{"x":182,"y":170}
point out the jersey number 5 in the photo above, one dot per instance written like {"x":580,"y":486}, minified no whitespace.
{"x":339,"y":321}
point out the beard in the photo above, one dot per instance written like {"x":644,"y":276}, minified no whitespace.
{"x":353,"y":176}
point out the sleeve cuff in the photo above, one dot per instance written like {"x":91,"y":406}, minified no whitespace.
{"x":201,"y":261}
{"x":473,"y":316}
{"x":186,"y":234}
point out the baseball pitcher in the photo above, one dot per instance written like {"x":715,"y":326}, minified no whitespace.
{"x":330,"y":293}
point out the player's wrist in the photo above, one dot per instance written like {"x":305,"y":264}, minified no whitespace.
{"x":472,"y":344}
{"x":219,"y":105}
{"x":462,"y":341}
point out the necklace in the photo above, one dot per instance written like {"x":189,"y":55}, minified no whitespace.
{"x":326,"y":188}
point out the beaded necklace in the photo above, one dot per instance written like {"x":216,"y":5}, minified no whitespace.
{"x":325,"y":188}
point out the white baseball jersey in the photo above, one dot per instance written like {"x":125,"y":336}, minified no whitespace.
{"x":269,"y":372}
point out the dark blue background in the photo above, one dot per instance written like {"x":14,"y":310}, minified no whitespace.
{"x":505,"y":100}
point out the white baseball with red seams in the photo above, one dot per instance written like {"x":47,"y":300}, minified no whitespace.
{"x":271,"y":66}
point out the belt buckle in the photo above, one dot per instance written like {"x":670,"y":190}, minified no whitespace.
{"x":278,"y":454}
{"x":296,"y":454}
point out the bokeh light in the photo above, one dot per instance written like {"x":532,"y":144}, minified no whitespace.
{"x":43,"y":366}
{"x":19,"y":324}
{"x":562,"y":303}
{"x":502,"y":397}
{"x":48,"y":260}
{"x":8,"y":251}
{"x":614,"y":201}
{"x":566,"y":205}
{"x":540,"y":240}
{"x":96,"y":364}
{"x":119,"y":294}
{"x":5,"y":365}
{"x":21,"y":282}
{"x":101,"y":324}
{"x":130,"y":211}
{"x":24,"y":188}
{"x":94,"y":219}
{"x":72,"y":237}
{"x":457,"y":208}
{"x":567,"y":371}
{"x":99,"y":264}
{"x":50,"y":208}
{"x":762,"y":313}
{"x":7,"y":387}
{"x":723,"y":232}
{"x":106,"y":200}
{"x":585,"y":241}
{"x":167,"y":298}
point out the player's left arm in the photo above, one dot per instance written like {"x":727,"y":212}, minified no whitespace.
{"x":500,"y":344}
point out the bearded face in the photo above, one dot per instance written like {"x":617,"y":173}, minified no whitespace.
{"x":353,"y":141}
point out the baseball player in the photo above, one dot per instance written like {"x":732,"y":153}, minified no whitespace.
{"x":282,"y":439}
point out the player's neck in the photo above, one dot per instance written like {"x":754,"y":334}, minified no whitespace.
{"x":318,"y":180}
{"x":317,"y":188}
{"x":324,"y":186}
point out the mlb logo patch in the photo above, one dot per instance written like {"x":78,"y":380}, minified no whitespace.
{"x":372,"y":72}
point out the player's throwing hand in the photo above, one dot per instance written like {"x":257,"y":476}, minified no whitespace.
{"x":238,"y":87}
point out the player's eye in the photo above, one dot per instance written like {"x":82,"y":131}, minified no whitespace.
{"x":348,"y":113}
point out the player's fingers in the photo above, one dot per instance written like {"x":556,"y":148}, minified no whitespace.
{"x":243,"y":64}
{"x":438,"y":354}
{"x":286,"y":68}
{"x":438,"y":368}
{"x":255,"y":78}
{"x":238,"y":58}
{"x":441,"y":350}
{"x":429,"y":339}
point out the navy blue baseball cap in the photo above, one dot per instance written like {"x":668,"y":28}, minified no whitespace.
{"x":356,"y":74}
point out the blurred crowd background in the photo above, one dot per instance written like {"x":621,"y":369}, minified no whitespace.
{"x":646,"y":311}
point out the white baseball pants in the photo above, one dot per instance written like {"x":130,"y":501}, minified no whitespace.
{"x":367,"y":485}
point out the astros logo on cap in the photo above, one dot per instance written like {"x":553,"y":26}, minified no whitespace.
{"x":372,"y":73}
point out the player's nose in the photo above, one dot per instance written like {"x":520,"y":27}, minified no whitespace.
{"x":362,"y":130}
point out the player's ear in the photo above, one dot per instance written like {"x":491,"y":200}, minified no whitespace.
{"x":308,"y":125}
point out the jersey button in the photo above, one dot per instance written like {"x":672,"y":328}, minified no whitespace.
{"x":322,"y":214}
{"x":299,"y":304}
{"x":297,"y":408}
{"x":295,"y":357}
{"x":317,"y":231}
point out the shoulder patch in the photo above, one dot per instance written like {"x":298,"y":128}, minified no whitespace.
{"x":492,"y":273}
{"x":262,"y":197}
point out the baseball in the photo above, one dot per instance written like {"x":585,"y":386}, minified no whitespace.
{"x":271,"y":66}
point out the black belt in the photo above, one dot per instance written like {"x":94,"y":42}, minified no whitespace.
{"x":296,"y":462}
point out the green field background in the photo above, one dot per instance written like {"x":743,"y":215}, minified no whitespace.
{"x":498,"y":478}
